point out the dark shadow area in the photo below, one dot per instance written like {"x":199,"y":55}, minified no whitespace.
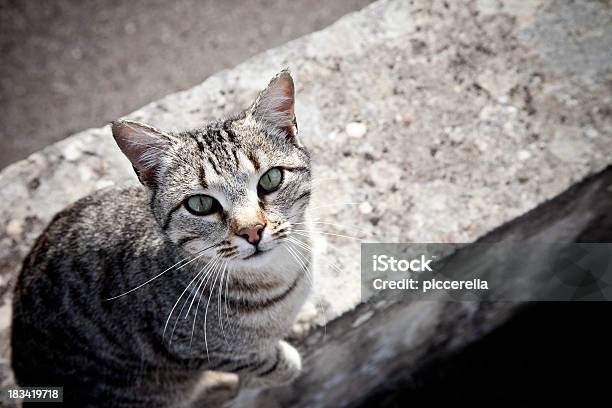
{"x":546,"y":354}
{"x":549,"y":353}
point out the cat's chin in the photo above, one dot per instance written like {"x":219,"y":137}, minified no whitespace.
{"x":257,"y":259}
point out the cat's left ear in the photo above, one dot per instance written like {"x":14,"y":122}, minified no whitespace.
{"x":275,"y":105}
{"x":143,"y":145}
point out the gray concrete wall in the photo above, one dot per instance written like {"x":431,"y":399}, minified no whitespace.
{"x":70,"y":65}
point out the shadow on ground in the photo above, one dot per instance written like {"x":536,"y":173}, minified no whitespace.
{"x":68,"y":66}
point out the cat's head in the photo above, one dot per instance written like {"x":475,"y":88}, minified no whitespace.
{"x":234,"y":188}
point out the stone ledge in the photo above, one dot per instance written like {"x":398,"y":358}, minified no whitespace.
{"x":473,"y":117}
{"x":389,"y":337}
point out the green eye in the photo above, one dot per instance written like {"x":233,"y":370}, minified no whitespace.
{"x":270,"y":181}
{"x":200,"y":204}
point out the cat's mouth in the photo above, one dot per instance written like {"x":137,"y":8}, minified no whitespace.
{"x":258,"y":252}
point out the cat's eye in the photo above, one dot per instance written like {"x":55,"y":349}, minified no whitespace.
{"x":271,"y":180}
{"x":201,"y":204}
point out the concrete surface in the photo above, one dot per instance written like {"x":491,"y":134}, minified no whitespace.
{"x":472,"y":118}
{"x":68,"y":65}
{"x":390,"y":337}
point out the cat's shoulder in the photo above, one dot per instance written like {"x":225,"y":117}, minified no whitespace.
{"x":104,"y":220}
{"x":107,"y":209}
{"x":132,"y":197}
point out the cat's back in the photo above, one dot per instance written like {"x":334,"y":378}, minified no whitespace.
{"x":107,"y":213}
{"x":101,"y":225}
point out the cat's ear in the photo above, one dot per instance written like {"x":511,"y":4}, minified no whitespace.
{"x":275,"y":105}
{"x":143,"y":145}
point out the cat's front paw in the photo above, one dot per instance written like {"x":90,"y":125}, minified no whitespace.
{"x":292,"y":362}
{"x":285,"y":367}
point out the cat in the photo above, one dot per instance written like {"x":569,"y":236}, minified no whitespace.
{"x":107,"y":301}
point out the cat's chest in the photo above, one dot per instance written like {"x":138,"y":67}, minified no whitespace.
{"x":273,"y":315}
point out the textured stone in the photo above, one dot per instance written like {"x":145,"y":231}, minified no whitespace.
{"x":356,"y":130}
{"x":362,"y":354}
{"x":408,"y":71}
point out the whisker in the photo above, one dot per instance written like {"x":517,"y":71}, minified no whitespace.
{"x":223,"y":275}
{"x":303,"y":233}
{"x":301,"y":263}
{"x":229,"y":271}
{"x":161,"y":273}
{"x":311,"y":208}
{"x":317,"y":303}
{"x":204,"y":271}
{"x":206,"y":315}
{"x":179,"y":298}
{"x":303,"y":259}
{"x":309,"y":249}
{"x":195,"y":317}
{"x":329,"y":223}
{"x":206,"y":277}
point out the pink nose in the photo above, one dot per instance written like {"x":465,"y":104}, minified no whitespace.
{"x":252,"y":233}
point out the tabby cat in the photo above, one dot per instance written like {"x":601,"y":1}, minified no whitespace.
{"x":130,"y":294}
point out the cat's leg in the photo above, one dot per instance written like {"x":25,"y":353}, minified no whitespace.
{"x":277,"y":364}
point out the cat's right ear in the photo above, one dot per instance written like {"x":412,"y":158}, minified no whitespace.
{"x":143,"y":145}
{"x":275,"y":105}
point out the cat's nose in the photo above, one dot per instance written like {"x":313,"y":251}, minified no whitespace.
{"x":252,"y":233}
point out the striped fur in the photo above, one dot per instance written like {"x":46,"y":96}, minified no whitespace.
{"x":84,"y":318}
